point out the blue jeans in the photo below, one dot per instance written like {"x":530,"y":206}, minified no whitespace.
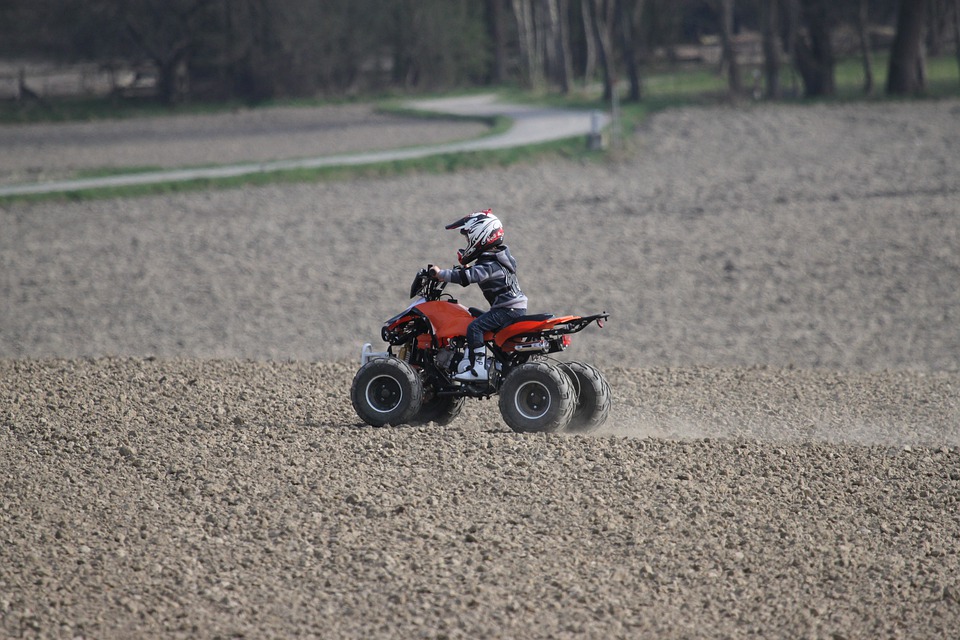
{"x":490,"y":321}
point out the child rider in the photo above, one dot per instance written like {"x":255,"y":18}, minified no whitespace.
{"x":496,"y":273}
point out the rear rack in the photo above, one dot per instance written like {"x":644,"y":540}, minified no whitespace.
{"x":577,"y":324}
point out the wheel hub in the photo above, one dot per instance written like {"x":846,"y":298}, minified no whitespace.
{"x":384,"y":394}
{"x":533,"y":400}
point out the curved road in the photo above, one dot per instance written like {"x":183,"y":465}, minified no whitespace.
{"x":530,"y":125}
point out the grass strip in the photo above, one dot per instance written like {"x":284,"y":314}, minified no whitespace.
{"x":571,"y":148}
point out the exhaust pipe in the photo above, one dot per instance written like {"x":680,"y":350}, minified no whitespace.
{"x":539,"y":345}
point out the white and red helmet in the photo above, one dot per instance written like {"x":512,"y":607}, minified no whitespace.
{"x":483,"y":231}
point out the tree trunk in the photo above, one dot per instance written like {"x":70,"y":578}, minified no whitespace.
{"x":172,"y":85}
{"x":790,"y":29}
{"x":600,"y":34}
{"x":862,"y":22}
{"x":906,"y":74}
{"x":499,"y":72}
{"x":936,"y":25}
{"x":529,"y":51}
{"x":771,"y":48}
{"x":590,"y":61}
{"x":956,"y":30}
{"x":814,"y":53}
{"x":726,"y":47}
{"x":556,"y":49}
{"x":564,"y":44}
{"x":626,"y":32}
{"x":173,"y":82}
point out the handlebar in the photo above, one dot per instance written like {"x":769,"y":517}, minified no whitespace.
{"x":424,"y":285}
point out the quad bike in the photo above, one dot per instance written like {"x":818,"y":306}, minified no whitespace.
{"x":413,"y":381}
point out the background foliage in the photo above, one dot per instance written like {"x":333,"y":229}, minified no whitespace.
{"x":261,"y":49}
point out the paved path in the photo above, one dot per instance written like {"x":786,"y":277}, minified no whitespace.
{"x":531,"y":125}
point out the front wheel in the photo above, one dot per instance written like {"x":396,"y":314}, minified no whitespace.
{"x":593,"y":397}
{"x":386,"y":391}
{"x":537,"y":396}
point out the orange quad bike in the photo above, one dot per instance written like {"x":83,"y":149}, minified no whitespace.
{"x":412,"y":382}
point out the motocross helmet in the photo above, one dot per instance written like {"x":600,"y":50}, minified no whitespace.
{"x":483,"y":231}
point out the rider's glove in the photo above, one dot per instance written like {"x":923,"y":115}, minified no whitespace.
{"x":433,"y":271}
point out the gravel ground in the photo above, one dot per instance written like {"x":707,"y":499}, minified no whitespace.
{"x":180,"y":458}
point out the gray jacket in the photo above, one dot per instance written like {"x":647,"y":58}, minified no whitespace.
{"x":496,"y":273}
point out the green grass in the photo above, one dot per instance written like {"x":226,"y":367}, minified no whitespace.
{"x":669,"y":87}
{"x":943,"y":78}
{"x":105,"y":172}
{"x":85,"y":109}
{"x":688,"y":84}
{"x":88,"y":109}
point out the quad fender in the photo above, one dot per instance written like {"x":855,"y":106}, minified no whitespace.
{"x":527,"y":327}
{"x":561,"y":325}
{"x":448,"y":319}
{"x":440,"y":319}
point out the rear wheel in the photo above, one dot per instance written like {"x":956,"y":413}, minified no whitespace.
{"x":386,"y":391}
{"x":537,"y":396}
{"x":593,"y":397}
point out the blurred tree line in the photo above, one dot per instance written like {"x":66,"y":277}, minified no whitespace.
{"x":261,"y":49}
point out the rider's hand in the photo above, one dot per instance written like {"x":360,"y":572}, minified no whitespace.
{"x":433,"y":271}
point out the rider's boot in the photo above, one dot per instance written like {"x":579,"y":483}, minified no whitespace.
{"x":473,"y":367}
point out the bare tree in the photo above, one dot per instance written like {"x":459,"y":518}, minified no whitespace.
{"x":563,"y":8}
{"x":937,"y":25}
{"x":906,"y":73}
{"x":557,"y":52}
{"x":590,"y":43}
{"x":499,"y":70}
{"x":628,"y":45}
{"x":865,"y":47}
{"x":729,"y":54}
{"x":956,"y":29}
{"x":769,"y":21}
{"x":599,"y":21}
{"x":813,"y":51}
{"x":168,"y":32}
{"x":530,"y":53}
